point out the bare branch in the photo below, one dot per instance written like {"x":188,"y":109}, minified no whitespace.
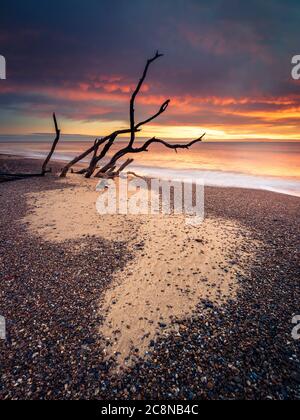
{"x":56,"y":140}
{"x":110,"y":140}
{"x":137,"y":176}
{"x":144,"y":148}
{"x":124,"y":166}
{"x":96,"y":145}
{"x":18,"y":176}
{"x":109,"y":168}
{"x":148,"y":143}
{"x":80,"y":157}
{"x":111,"y":171}
{"x":135,"y":93}
{"x":162,"y":109}
{"x":93,"y":163}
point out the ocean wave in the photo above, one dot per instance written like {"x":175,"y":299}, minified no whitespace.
{"x":215,"y":178}
{"x":224,"y":179}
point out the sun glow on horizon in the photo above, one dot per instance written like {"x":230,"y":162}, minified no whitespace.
{"x":261,"y":131}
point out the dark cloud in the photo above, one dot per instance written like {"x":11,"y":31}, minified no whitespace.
{"x":223,"y":48}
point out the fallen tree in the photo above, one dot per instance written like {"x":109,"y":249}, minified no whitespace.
{"x":113,"y":168}
{"x":6,"y":176}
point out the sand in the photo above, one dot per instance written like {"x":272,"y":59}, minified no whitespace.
{"x":177,"y":267}
{"x":174,"y":266}
{"x":54,"y":292}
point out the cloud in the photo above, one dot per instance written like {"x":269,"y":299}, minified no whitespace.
{"x":227,"y":63}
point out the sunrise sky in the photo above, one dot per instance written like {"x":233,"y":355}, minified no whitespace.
{"x":227,"y":67}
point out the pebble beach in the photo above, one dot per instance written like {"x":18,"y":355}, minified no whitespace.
{"x":131,"y":308}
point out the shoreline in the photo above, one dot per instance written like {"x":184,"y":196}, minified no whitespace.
{"x":225,"y":177}
{"x":59,"y":267}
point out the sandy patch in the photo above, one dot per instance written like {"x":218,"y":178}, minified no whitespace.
{"x":69,"y":212}
{"x":174,"y":265}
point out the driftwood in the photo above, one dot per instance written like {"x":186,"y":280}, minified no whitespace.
{"x":109,"y":168}
{"x":137,"y":175}
{"x":134,"y":95}
{"x":56,"y":140}
{"x":145,"y":148}
{"x":83,"y":155}
{"x":102,"y":147}
{"x":124,"y":166}
{"x":5,"y":177}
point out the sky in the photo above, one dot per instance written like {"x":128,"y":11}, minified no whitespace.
{"x":226,"y":67}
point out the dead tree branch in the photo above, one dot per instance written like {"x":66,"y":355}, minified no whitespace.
{"x":137,"y":176}
{"x":124,"y":166}
{"x":80,"y":157}
{"x":133,"y":128}
{"x":148,"y":143}
{"x":124,"y":151}
{"x":145,"y":148}
{"x":14,"y":177}
{"x":108,"y":170}
{"x":134,"y":95}
{"x":56,"y":140}
{"x":94,"y":149}
{"x":96,"y":159}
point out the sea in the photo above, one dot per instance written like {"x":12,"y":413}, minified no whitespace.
{"x":271,"y":166}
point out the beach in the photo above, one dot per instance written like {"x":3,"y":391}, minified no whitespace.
{"x":145,"y":307}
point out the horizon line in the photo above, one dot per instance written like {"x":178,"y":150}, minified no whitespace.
{"x":183,"y":139}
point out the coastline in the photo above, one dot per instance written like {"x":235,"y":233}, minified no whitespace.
{"x":55,"y":276}
{"x":211,"y":175}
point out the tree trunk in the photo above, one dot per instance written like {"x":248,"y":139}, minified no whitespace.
{"x":56,"y":140}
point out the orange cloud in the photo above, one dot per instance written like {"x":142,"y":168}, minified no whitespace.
{"x":188,"y":115}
